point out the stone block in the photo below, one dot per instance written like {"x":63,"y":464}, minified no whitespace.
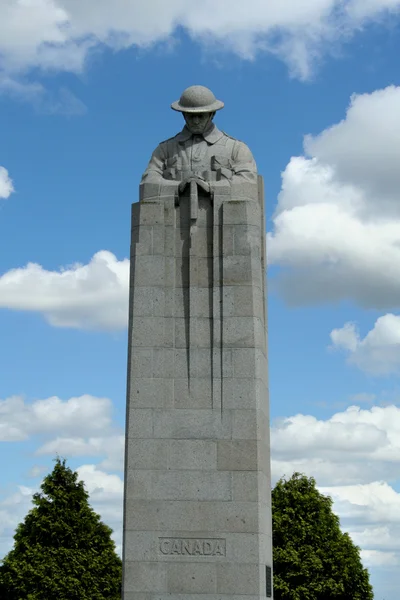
{"x":245,"y":189}
{"x":245,"y":486}
{"x":145,"y":576}
{"x":248,"y":301}
{"x":234,"y":578}
{"x":148,"y":301}
{"x":182,"y":272}
{"x":240,"y":393}
{"x":192,"y":424}
{"x":237,"y":212}
{"x":151,"y":393}
{"x":149,"y":271}
{"x":179,"y":485}
{"x":142,"y":362}
{"x":181,"y":332}
{"x":192,"y":578}
{"x":147,"y":454}
{"x":193,"y":393}
{"x":245,"y":424}
{"x":201,"y":360}
{"x":191,"y":516}
{"x":250,"y":424}
{"x":148,"y":191}
{"x":238,"y":270}
{"x":227,"y":239}
{"x":248,"y":362}
{"x":237,"y":455}
{"x":245,"y":394}
{"x":224,"y":301}
{"x":243,"y":332}
{"x":140,"y":423}
{"x":192,"y":454}
{"x":149,"y":213}
{"x":221,"y":188}
{"x":203,"y":597}
{"x":167,"y":190}
{"x":161,"y":240}
{"x":163,"y":363}
{"x":152,"y":362}
{"x":202,"y":329}
{"x":149,"y":331}
{"x":201,"y":272}
{"x":247,"y":240}
{"x":141,"y":241}
{"x":140,"y":596}
{"x":202,"y":245}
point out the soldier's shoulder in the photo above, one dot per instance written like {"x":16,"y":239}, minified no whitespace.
{"x":234,"y":139}
{"x":171,"y":139}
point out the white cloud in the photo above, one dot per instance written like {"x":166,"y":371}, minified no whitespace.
{"x":379,"y":352}
{"x":92,"y":296}
{"x":355,"y":458}
{"x":59,"y":34}
{"x":353,"y":447}
{"x":336,"y":232}
{"x":77,"y":416}
{"x":111,"y":446}
{"x":6,"y":185}
{"x":377,"y":558}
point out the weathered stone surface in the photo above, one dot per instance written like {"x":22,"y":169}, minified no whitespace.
{"x":197,"y":513}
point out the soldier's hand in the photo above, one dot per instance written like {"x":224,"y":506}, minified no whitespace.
{"x":184,"y":183}
{"x":204,"y":185}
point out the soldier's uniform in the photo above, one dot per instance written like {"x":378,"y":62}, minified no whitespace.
{"x":212,"y":155}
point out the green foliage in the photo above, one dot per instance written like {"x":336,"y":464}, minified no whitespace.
{"x":313,"y":559}
{"x":62,"y":550}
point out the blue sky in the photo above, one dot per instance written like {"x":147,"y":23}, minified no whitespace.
{"x":313,"y":90}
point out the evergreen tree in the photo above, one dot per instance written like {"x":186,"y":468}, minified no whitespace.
{"x":313,"y":559}
{"x":62,"y":550}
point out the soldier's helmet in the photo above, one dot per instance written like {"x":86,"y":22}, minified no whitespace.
{"x":197,"y":99}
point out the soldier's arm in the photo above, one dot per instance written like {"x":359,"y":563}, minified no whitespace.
{"x":244,"y":166}
{"x":156,"y":166}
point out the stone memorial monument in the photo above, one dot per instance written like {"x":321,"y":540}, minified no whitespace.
{"x":197,"y":507}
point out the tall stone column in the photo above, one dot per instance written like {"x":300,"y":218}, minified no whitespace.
{"x":197,"y":509}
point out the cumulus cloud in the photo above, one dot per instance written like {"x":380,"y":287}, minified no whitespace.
{"x":85,"y":415}
{"x":6,"y":185}
{"x":355,"y":457}
{"x":356,"y":446}
{"x":60,"y":34}
{"x":336,"y":229}
{"x":378,"y":352}
{"x":111,"y":446}
{"x":92,"y":296}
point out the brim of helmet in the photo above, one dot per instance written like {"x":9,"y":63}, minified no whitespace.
{"x":217,"y":105}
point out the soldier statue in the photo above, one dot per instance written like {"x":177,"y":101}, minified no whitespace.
{"x":200,"y":153}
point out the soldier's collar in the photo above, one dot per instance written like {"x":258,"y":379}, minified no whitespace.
{"x":212,"y":135}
